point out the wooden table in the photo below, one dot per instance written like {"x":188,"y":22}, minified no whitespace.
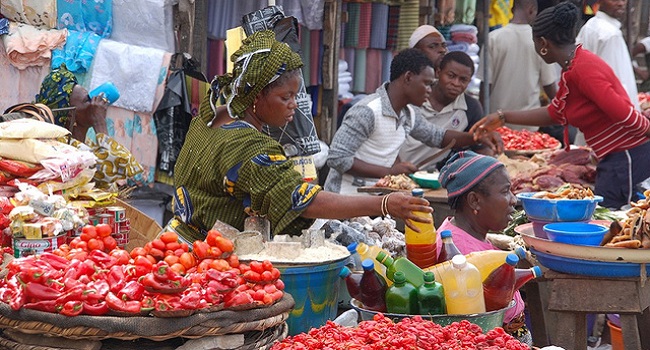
{"x":572,"y":297}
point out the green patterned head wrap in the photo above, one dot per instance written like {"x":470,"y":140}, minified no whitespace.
{"x":259,"y":61}
{"x":56,"y":90}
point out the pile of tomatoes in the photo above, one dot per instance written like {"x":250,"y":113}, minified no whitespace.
{"x":409,"y":333}
{"x":525,"y":140}
{"x":86,"y":277}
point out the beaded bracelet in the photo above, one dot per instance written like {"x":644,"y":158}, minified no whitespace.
{"x":502,"y":116}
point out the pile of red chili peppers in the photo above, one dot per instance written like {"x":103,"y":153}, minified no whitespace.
{"x":410,"y":333}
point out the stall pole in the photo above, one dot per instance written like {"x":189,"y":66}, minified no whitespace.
{"x":486,"y":72}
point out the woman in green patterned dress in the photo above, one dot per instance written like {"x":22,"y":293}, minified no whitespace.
{"x":228,"y":169}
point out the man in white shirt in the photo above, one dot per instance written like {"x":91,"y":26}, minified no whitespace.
{"x":516,"y":70}
{"x":602,"y":35}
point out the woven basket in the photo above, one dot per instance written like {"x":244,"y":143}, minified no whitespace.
{"x":259,"y":340}
{"x":154,"y":328}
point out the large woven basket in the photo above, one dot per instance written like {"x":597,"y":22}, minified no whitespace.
{"x":254,"y":340}
{"x":154,"y":328}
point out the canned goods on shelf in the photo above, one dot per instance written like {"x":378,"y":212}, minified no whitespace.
{"x":25,"y":247}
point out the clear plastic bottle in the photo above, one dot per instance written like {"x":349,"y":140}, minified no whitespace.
{"x":448,"y":248}
{"x":352,"y":282}
{"x":402,"y":297}
{"x":421,"y":246}
{"x":370,"y":252}
{"x":524,"y":275}
{"x":464,"y":290}
{"x":414,"y":274}
{"x":373,"y":288}
{"x":354,"y":261}
{"x":499,"y":286}
{"x":485,"y":261}
{"x":431,"y":296}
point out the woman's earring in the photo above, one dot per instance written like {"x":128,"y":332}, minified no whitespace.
{"x":254,"y":110}
{"x":543,"y":51}
{"x":475,"y":211}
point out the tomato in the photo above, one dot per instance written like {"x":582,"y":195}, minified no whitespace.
{"x":185,"y":247}
{"x":109,"y":243}
{"x":74,"y":242}
{"x":157,"y":253}
{"x":178,"y":252}
{"x":169,"y":237}
{"x":158,"y":244}
{"x":211,"y":237}
{"x":201,"y":249}
{"x":275,"y":273}
{"x":268,"y":266}
{"x":103,"y":230}
{"x":220,"y":265}
{"x":215,"y":252}
{"x":188,"y":260}
{"x":88,"y":232}
{"x":178,"y":268}
{"x":259,"y":295}
{"x":279,"y":284}
{"x":252,"y":276}
{"x":172,"y":246}
{"x":93,"y":244}
{"x":171,"y":259}
{"x":138,"y":251}
{"x":266,"y":276}
{"x":121,"y":255}
{"x":256,"y":266}
{"x":233,"y":260}
{"x":83,"y":245}
{"x":224,"y":244}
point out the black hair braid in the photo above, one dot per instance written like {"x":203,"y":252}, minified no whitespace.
{"x":557,"y":23}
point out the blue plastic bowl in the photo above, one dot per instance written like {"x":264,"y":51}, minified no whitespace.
{"x":554,"y":210}
{"x":580,"y":233}
{"x":588,"y":267}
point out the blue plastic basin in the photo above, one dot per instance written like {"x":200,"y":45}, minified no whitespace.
{"x":554,"y":210}
{"x":580,"y":233}
{"x":315,"y":288}
{"x":588,"y":267}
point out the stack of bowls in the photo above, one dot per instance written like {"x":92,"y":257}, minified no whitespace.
{"x":543,"y":211}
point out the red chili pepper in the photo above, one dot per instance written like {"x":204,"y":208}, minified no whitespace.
{"x":44,"y":305}
{"x":148,"y":302}
{"x":76,"y":293}
{"x":80,"y":268}
{"x":95,"y":309}
{"x":133,"y":290}
{"x":72,"y":308}
{"x":32,"y":274}
{"x":57,"y":262}
{"x":117,"y":304}
{"x":100,"y":287}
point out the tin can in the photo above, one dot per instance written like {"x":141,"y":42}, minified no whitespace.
{"x":26,"y":247}
{"x":125,"y":225}
{"x":122,"y":239}
{"x":104,"y":219}
{"x":118,"y":213}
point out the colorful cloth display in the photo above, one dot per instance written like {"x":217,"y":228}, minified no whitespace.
{"x":146,"y":23}
{"x":78,"y":52}
{"x":38,"y":13}
{"x":18,"y":85}
{"x":28,"y":46}
{"x":86,"y":16}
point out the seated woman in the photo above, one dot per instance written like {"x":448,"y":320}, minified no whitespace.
{"x":478,"y":188}
{"x":60,"y":89}
{"x":228,"y":169}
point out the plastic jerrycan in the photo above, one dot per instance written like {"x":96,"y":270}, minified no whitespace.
{"x":414,"y":275}
{"x":485,"y":261}
{"x":370,"y":252}
{"x":401,"y":297}
{"x":499,"y":286}
{"x":463,"y":288}
{"x":431,"y":296}
{"x":421,"y":246}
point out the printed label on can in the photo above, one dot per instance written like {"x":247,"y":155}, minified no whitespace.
{"x":118,"y":213}
{"x":104,"y":219}
{"x":122,"y":239}
{"x":25,"y":247}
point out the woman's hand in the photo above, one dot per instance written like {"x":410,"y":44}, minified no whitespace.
{"x":493,"y":144}
{"x":402,"y":205}
{"x":487,"y":124}
{"x":402,"y":168}
{"x":97,"y":116}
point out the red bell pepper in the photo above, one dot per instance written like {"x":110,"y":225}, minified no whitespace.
{"x":163,"y":272}
{"x":72,"y":308}
{"x":57,"y":262}
{"x":95,"y":309}
{"x":103,"y":259}
{"x":76,"y":293}
{"x":117,"y":304}
{"x":133,"y":290}
{"x":41,"y":292}
{"x":116,"y":278}
{"x":142,"y":266}
{"x":100,"y":288}
{"x":148,"y":302}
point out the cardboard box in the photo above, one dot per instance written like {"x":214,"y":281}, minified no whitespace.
{"x":143,"y":228}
